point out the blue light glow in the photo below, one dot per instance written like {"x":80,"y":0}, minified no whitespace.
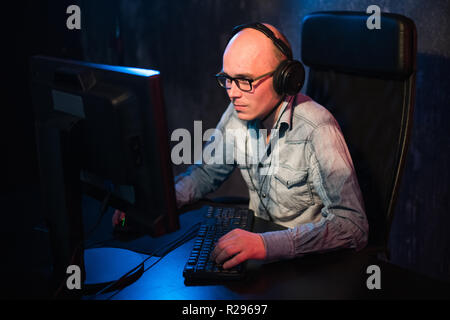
{"x":128,"y":70}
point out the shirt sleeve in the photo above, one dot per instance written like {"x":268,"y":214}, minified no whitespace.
{"x":343,"y":223}
{"x":201,"y":179}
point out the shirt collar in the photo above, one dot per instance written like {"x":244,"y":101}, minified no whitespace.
{"x":287,"y":109}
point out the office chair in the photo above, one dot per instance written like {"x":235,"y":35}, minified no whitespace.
{"x":366,"y":79}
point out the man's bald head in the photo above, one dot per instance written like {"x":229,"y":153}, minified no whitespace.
{"x":250,"y":54}
{"x":282,"y":37}
{"x":255,"y":34}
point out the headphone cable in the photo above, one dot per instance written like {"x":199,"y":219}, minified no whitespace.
{"x":253,"y":184}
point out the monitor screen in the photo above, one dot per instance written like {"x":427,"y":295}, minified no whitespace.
{"x":101,"y":130}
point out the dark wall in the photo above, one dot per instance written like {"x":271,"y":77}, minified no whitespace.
{"x":29,"y":27}
{"x":33,"y":27}
{"x":185,"y":41}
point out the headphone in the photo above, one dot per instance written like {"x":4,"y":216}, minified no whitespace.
{"x":289,"y":76}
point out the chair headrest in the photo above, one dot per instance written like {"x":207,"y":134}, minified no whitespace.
{"x":342,"y":41}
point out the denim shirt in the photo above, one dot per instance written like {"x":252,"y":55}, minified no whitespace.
{"x":302,"y":179}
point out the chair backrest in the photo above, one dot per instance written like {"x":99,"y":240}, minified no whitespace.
{"x":366,"y":78}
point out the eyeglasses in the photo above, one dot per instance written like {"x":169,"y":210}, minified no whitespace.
{"x":243,"y":84}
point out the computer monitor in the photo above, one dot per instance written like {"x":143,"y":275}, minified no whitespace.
{"x":101,"y":130}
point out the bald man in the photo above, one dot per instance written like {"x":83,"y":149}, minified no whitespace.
{"x":306,"y":180}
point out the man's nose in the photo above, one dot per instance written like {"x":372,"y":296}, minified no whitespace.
{"x":234,"y":92}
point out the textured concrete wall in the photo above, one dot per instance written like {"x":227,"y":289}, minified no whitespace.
{"x":185,"y":41}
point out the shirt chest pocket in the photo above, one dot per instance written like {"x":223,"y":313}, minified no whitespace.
{"x":292,"y":187}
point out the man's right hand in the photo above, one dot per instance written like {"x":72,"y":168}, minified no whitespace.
{"x":117,"y":217}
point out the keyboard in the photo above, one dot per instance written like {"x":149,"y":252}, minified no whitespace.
{"x":218,"y":222}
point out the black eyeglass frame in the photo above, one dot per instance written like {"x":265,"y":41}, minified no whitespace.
{"x":235,"y":80}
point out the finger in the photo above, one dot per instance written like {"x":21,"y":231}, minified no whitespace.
{"x":115,"y":217}
{"x":220,"y":245}
{"x":226,"y":253}
{"x":216,"y":252}
{"x":213,"y":255}
{"x":237,"y":259}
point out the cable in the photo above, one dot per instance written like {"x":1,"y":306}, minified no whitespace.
{"x":270,"y":163}
{"x":253,"y":184}
{"x":172,"y":246}
{"x":79,"y":246}
{"x":193,"y":230}
{"x":99,"y":243}
{"x":103,"y":210}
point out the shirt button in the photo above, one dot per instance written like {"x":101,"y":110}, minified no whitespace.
{"x":263,"y":195}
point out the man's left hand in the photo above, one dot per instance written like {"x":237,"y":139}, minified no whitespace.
{"x":240,"y":245}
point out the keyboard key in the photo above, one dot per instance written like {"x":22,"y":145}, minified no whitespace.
{"x":218,"y":222}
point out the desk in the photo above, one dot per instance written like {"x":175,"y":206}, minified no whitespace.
{"x":335,"y":275}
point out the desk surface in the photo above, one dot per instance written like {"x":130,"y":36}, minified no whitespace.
{"x":335,"y":275}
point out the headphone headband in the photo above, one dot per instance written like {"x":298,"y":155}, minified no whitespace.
{"x":280,"y":44}
{"x":289,"y":76}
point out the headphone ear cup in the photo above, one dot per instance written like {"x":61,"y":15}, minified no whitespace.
{"x":278,"y":78}
{"x":289,"y":77}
